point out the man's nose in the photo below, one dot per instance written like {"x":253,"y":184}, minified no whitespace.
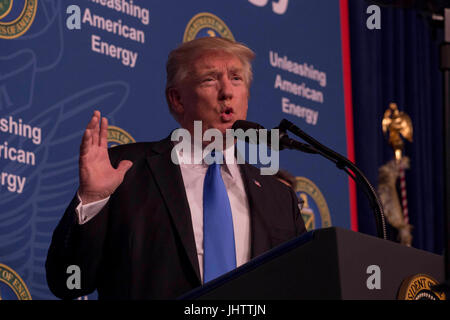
{"x":226,"y":89}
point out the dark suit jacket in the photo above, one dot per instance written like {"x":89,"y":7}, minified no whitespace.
{"x":141,"y":245}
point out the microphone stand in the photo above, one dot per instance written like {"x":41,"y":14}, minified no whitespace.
{"x":341,"y":162}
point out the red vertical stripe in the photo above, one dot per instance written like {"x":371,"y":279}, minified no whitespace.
{"x":345,"y":39}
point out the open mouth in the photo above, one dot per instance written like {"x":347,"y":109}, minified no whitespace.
{"x":227,"y":114}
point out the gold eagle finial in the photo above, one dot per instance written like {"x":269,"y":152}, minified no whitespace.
{"x":399,"y":125}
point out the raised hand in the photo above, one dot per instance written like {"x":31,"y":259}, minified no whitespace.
{"x":98,"y":178}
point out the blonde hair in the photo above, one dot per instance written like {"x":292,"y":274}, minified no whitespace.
{"x":180,"y":60}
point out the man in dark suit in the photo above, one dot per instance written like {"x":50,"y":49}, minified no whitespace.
{"x":135,"y":227}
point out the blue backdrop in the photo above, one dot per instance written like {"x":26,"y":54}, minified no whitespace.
{"x":53,"y":77}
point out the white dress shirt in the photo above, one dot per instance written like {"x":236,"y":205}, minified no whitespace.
{"x":193,"y":179}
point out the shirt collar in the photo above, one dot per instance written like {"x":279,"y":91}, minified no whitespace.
{"x":230,"y":167}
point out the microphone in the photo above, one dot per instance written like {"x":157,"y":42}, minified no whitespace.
{"x":315,"y":146}
{"x":350,"y":168}
{"x":285,"y":141}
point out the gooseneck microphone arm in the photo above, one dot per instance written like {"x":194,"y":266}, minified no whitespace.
{"x":346,"y":165}
{"x":316,"y":147}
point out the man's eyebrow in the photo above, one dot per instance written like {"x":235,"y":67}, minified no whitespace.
{"x":236,"y":69}
{"x":204,"y":73}
{"x":209,"y":71}
{"x":212,"y":70}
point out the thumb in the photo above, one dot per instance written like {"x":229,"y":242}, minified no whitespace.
{"x":124,"y":166}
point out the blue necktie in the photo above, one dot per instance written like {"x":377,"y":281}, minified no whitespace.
{"x":218,"y":234}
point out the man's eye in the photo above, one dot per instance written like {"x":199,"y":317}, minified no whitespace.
{"x":237,"y":78}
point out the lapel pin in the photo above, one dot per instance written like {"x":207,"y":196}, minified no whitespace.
{"x":257,"y":183}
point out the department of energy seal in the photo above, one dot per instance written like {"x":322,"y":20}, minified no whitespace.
{"x":15,"y":26}
{"x":206,"y":24}
{"x":118,"y":136}
{"x":5,"y":7}
{"x":12,"y":287}
{"x":313,"y":203}
{"x":419,"y":287}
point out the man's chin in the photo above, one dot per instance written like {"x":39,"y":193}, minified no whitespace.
{"x":221,"y":126}
{"x":225,"y":126}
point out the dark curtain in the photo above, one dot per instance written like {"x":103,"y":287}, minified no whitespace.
{"x":400,"y":63}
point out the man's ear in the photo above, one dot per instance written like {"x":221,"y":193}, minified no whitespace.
{"x":174,"y":98}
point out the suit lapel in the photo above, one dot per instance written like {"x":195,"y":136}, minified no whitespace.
{"x":170,"y":182}
{"x":256,"y":195}
{"x":169,"y":179}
